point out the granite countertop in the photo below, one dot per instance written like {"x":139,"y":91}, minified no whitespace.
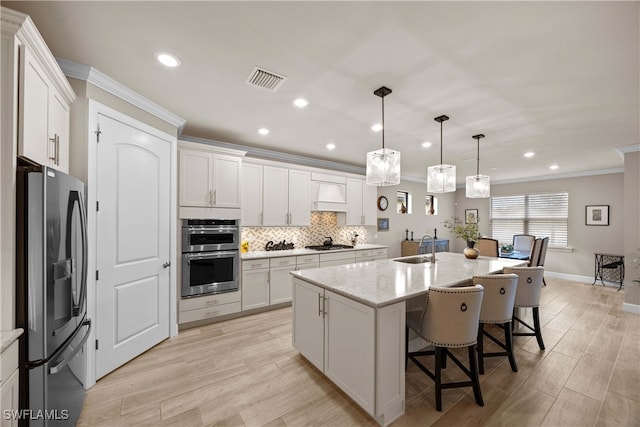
{"x":384,"y":282}
{"x":302,"y":251}
{"x":8,"y":337}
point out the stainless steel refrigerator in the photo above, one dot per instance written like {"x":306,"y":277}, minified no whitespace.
{"x":51,"y":285}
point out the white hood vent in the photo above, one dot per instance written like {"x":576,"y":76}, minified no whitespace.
{"x":265,"y":79}
{"x":329,"y":193}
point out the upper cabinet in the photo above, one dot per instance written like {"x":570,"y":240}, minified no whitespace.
{"x":44,"y":95}
{"x":361,"y":203}
{"x":209,"y":178}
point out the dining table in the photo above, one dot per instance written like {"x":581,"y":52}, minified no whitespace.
{"x":521,"y":255}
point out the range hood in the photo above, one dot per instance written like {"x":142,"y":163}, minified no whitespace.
{"x":328,"y":193}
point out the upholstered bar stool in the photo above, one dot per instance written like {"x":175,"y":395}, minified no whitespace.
{"x":497,"y":308}
{"x":528,"y":295}
{"x":449,"y":320}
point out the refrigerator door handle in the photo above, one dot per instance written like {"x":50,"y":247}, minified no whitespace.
{"x":76,"y":197}
{"x":57,"y":368}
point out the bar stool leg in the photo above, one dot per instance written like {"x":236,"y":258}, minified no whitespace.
{"x":473,"y":362}
{"x":536,"y":326}
{"x":439,"y":354}
{"x":481,"y":348}
{"x":508,"y":338}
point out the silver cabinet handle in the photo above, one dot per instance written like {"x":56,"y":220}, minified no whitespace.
{"x":324,"y":307}
{"x":214,"y":197}
{"x":57,"y":149}
{"x":319,"y":309}
{"x":52,"y":151}
{"x":210,"y":197}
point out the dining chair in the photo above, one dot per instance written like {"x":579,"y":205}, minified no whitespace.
{"x":523,"y":242}
{"x":535,"y":252}
{"x":543,"y":255}
{"x":497,"y":308}
{"x":487,"y":247}
{"x":528,"y":296}
{"x":449,"y":320}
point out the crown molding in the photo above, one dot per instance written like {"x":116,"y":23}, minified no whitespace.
{"x":99,"y":79}
{"x":628,"y":149}
{"x":557,"y":176}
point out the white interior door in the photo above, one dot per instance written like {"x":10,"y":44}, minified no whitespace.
{"x":133,"y":241}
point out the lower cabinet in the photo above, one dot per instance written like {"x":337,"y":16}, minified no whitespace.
{"x":9,"y":384}
{"x":280,"y":279}
{"x":337,"y":335}
{"x":255,"y":284}
{"x":206,"y":307}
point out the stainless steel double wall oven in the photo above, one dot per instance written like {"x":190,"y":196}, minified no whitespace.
{"x":210,"y":256}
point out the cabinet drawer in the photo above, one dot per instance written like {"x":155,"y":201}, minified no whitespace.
{"x":363,"y":254}
{"x":9,"y":362}
{"x":307,"y":259}
{"x":283,"y":261}
{"x":209,"y":301}
{"x":336,"y":256}
{"x":255,"y":264}
{"x":379,"y":253}
{"x":209,"y":312}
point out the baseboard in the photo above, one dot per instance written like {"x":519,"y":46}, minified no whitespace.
{"x":577,"y":278}
{"x":631,"y":308}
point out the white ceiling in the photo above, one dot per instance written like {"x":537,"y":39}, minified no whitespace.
{"x":557,"y":78}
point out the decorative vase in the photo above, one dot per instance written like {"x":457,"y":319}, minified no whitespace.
{"x":470,"y":251}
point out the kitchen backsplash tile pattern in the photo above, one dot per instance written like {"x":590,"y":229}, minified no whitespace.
{"x":323,"y":224}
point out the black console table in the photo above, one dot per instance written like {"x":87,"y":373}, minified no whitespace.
{"x":609,"y":267}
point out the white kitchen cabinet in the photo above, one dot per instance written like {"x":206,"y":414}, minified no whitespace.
{"x":209,"y":306}
{"x":329,"y":330}
{"x":208,"y":178}
{"x":304,"y":262}
{"x":371,"y":254}
{"x":43,"y":117}
{"x":337,"y":258}
{"x":280,"y":279}
{"x":251,"y":195}
{"x":361,"y":203}
{"x":255,"y":284}
{"x":286,"y":197}
{"x":9,"y":377}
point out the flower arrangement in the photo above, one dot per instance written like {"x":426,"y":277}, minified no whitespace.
{"x":467,"y":231}
{"x":507,"y":248}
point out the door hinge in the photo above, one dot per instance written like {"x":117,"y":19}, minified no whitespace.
{"x":98,"y":132}
{"x":97,"y":275}
{"x":97,"y":344}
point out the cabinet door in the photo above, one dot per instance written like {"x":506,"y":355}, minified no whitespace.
{"x":226,"y":181}
{"x":349,"y":354}
{"x":59,"y":131}
{"x":255,"y":288}
{"x":369,"y":204}
{"x":299,"y":198}
{"x":33,"y":110}
{"x":308,"y":321}
{"x":196,"y":176}
{"x":275,"y":202}
{"x":280,"y":284}
{"x":9,"y":399}
{"x":354,"y":202}
{"x":251,"y":195}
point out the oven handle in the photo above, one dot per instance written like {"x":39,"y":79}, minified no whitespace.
{"x":201,"y":230}
{"x":210,"y":255}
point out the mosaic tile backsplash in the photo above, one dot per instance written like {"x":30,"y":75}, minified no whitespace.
{"x":323,"y":224}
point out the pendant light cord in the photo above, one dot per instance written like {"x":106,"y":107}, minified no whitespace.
{"x":478,"y":158}
{"x":440,"y":142}
{"x":383,"y":122}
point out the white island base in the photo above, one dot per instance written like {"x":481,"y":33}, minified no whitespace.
{"x":359,"y":348}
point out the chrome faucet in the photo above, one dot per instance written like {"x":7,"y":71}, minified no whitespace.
{"x":433,"y":245}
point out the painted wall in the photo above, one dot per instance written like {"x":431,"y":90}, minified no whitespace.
{"x":632,"y":227}
{"x":583,"y":240}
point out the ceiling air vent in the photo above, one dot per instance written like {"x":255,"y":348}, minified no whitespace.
{"x":265,"y":79}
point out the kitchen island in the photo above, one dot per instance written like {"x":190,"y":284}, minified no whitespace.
{"x":349,"y":320}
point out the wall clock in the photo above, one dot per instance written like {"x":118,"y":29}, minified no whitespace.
{"x":383,"y":203}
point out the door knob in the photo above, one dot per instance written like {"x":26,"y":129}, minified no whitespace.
{"x":166,"y":265}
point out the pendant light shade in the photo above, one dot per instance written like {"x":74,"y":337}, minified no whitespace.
{"x":383,"y":166}
{"x":478,"y":186}
{"x":441,"y":178}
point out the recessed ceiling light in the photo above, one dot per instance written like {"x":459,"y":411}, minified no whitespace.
{"x":426,"y":144}
{"x":168,"y":59}
{"x":300,"y":102}
{"x":494,"y":168}
{"x":553,"y":167}
{"x":377,"y":127}
{"x":263,"y":131}
{"x":529,"y":154}
{"x":331,"y":146}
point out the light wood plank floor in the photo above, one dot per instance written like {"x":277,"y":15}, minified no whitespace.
{"x":245,"y":372}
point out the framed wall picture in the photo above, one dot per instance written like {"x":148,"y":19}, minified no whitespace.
{"x":470,"y":215}
{"x":597,"y":215}
{"x":383,"y":224}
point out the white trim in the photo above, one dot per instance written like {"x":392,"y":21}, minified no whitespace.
{"x":580,"y":279}
{"x":628,"y":149}
{"x":558,"y":176}
{"x":631,"y":308}
{"x":104,"y":82}
{"x":211,"y":148}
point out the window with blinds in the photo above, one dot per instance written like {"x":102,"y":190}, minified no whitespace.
{"x":543,"y":215}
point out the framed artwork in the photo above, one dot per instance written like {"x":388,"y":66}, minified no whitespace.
{"x":383,"y":224}
{"x":596,"y":215}
{"x":470,"y":215}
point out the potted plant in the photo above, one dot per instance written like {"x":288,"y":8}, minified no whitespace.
{"x":507,"y":248}
{"x":467,"y":231}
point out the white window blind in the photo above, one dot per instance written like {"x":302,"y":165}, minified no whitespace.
{"x":543,"y":215}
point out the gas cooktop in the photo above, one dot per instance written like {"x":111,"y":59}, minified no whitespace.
{"x":328,"y":248}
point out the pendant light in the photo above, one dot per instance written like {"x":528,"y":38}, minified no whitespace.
{"x":441,"y":178}
{"x":383,"y":166}
{"x":478,"y":186}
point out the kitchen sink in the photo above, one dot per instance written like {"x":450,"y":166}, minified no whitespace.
{"x":414,"y":260}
